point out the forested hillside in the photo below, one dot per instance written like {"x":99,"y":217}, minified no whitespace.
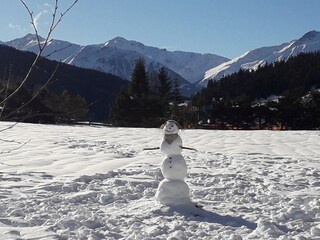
{"x":241,"y":99}
{"x":71,"y":89}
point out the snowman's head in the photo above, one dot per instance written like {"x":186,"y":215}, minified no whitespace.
{"x":170,"y":127}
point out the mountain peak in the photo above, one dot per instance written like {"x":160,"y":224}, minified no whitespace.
{"x":23,"y":43}
{"x":118,"y":40}
{"x":29,"y":39}
{"x":32,"y":37}
{"x":310,"y":36}
{"x":122,"y":43}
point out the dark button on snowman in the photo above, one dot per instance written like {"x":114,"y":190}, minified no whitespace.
{"x":173,"y":189}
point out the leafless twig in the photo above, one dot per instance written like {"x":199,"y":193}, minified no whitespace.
{"x":58,"y":50}
{"x":34,"y":95}
{"x":55,"y":21}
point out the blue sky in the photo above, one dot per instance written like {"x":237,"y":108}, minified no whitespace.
{"x":224,"y":27}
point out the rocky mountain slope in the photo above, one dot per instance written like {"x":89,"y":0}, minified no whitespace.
{"x":251,"y":60}
{"x":118,"y":56}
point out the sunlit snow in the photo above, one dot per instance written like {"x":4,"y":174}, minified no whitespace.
{"x":82,"y":182}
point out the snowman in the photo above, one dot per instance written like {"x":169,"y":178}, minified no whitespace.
{"x":173,"y":190}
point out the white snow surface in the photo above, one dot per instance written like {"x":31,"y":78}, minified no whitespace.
{"x":85,"y":182}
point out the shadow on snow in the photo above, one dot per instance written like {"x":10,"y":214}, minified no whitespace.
{"x":198,"y":214}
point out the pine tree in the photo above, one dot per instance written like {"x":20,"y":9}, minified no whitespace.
{"x":165,"y":84}
{"x":176,"y":92}
{"x":73,"y":107}
{"x":137,"y":106}
{"x":175,"y":112}
{"x":139,"y":80}
{"x":126,"y":110}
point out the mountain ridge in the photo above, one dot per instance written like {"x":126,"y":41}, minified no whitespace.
{"x":118,"y":56}
{"x":251,"y":60}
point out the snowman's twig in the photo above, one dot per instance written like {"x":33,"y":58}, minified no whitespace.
{"x":155,"y":148}
{"x":187,"y":148}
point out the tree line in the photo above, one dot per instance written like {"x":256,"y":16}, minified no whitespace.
{"x":45,"y":107}
{"x":236,"y":100}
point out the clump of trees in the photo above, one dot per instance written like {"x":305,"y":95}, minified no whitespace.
{"x":44,"y":107}
{"x":234,"y":101}
{"x":142,"y":105}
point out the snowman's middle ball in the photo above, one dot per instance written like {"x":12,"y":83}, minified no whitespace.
{"x":174,"y":167}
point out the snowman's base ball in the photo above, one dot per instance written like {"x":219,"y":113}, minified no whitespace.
{"x":173,"y":192}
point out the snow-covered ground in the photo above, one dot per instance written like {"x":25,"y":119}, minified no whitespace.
{"x":70,"y":182}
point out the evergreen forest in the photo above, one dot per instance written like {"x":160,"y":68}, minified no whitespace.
{"x":281,"y":95}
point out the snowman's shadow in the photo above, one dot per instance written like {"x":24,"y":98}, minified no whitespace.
{"x":226,"y":220}
{"x":201,"y":215}
{"x":194,"y":213}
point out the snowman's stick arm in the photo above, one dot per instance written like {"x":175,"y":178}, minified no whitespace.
{"x":187,"y":148}
{"x":155,"y":148}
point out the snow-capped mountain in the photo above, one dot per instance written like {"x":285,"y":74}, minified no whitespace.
{"x":56,"y":49}
{"x":118,"y":56}
{"x":251,"y":60}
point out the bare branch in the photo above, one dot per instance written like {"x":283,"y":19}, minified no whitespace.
{"x":63,"y":14}
{"x":32,"y":23}
{"x":10,"y":141}
{"x":54,"y":22}
{"x":53,"y":25}
{"x":58,"y":50}
{"x":23,"y":81}
{"x":6,"y":88}
{"x":13,"y":149}
{"x":41,"y":46}
{"x":36,"y":94}
{"x":9,"y":127}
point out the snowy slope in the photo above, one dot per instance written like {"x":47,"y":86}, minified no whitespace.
{"x":72,"y":182}
{"x":119,"y":59}
{"x":117,"y":56}
{"x":57,"y":49}
{"x":309,"y":42}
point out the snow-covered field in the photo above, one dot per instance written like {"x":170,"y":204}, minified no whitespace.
{"x":76,"y":182}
